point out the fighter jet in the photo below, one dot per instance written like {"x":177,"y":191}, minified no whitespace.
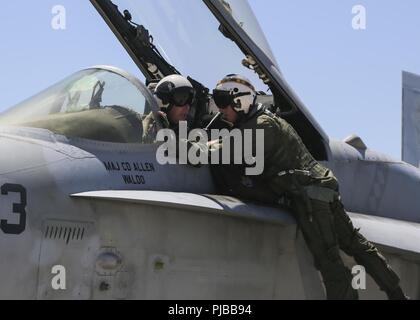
{"x":87,"y":212}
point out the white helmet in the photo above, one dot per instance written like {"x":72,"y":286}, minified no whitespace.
{"x":152,"y":87}
{"x":236,"y":91}
{"x":174,"y":90}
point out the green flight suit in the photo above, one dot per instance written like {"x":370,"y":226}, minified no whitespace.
{"x":312,"y":193}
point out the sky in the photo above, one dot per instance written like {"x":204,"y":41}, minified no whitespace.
{"x":349,"y":79}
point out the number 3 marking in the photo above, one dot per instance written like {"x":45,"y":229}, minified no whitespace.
{"x":18,"y":208}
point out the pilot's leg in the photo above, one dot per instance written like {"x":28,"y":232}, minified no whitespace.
{"x":365,"y":253}
{"x":318,"y":231}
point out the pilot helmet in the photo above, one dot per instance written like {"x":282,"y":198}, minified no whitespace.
{"x":236,"y":91}
{"x":174,"y":90}
{"x":152,"y":88}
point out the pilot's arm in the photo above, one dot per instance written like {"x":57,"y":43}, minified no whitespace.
{"x":203,"y":148}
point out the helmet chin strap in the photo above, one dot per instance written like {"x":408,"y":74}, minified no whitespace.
{"x":253,"y":106}
{"x":254,"y":102}
{"x":169,"y":108}
{"x":241,"y":117}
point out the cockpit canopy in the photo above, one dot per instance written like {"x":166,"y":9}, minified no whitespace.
{"x":194,"y":38}
{"x":101,"y":103}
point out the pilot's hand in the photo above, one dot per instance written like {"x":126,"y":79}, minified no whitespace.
{"x":214,"y":145}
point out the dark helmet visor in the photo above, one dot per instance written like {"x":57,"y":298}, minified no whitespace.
{"x":224,"y":99}
{"x":180,"y":97}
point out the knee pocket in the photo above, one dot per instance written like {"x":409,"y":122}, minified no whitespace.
{"x":358,"y":244}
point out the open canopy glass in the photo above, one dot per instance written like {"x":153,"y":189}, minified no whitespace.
{"x":103,"y":104}
{"x":187,"y":35}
